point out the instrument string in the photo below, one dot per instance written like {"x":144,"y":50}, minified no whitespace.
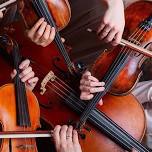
{"x":108,"y":79}
{"x":45,"y":13}
{"x":74,"y":99}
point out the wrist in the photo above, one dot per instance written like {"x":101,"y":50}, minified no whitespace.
{"x":109,"y":3}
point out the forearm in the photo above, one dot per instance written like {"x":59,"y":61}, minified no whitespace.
{"x":109,"y":3}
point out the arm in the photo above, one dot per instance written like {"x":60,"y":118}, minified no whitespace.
{"x":113,"y":22}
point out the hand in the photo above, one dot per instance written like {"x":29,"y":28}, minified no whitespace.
{"x":1,"y":14}
{"x":90,"y":85}
{"x":113,"y":22}
{"x":66,"y":139}
{"x":41,"y":33}
{"x":27,"y":75}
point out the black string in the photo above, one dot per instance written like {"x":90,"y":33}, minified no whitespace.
{"x":112,"y":73}
{"x":22,"y":106}
{"x":105,"y":124}
{"x":41,"y":8}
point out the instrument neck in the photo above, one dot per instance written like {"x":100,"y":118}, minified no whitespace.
{"x":23,"y":118}
{"x":42,"y":10}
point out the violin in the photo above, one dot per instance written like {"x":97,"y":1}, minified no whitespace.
{"x":17,"y":112}
{"x":138,"y":30}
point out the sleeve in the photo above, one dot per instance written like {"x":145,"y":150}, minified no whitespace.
{"x":9,"y":17}
{"x":143,"y":91}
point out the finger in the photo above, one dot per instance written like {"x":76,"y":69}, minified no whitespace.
{"x":33,"y":80}
{"x":63,"y":134}
{"x":25,"y":72}
{"x":86,"y":73}
{"x":91,"y":81}
{"x":13,"y":74}
{"x":69,"y":134}
{"x":56,"y":135}
{"x":110,"y":36}
{"x":97,"y":89}
{"x":40,"y":32}
{"x":46,"y":34}
{"x":50,"y":39}
{"x":62,"y":39}
{"x":32,"y":31}
{"x":24,"y":64}
{"x":85,"y":89}
{"x":92,"y":78}
{"x":86,"y":96}
{"x":75,"y":137}
{"x":100,"y":28}
{"x":92,"y":85}
{"x":52,"y":34}
{"x":97,"y":84}
{"x":117,"y":39}
{"x":27,"y":77}
{"x":100,"y":102}
{"x":104,"y":32}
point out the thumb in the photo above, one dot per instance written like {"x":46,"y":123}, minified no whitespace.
{"x":13,"y":74}
{"x":101,"y":102}
{"x":62,"y":39}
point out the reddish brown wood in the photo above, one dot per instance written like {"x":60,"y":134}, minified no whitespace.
{"x":8,"y":118}
{"x":60,"y":10}
{"x":130,"y":74}
{"x":125,"y":111}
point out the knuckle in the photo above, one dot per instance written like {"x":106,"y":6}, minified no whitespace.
{"x":81,"y":81}
{"x":91,"y":90}
{"x":63,"y":146}
{"x":51,"y":38}
{"x":43,"y":45}
{"x":110,"y":25}
{"x":30,"y":68}
{"x":29,"y":35}
{"x":116,"y":28}
{"x":45,"y":37}
{"x":105,"y":21}
{"x":38,"y":34}
{"x":80,"y":87}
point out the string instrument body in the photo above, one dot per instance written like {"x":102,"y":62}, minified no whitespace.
{"x":60,"y":10}
{"x":138,"y":30}
{"x":8,"y":119}
{"x":19,"y":108}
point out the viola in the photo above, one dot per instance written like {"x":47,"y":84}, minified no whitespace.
{"x":17,"y":112}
